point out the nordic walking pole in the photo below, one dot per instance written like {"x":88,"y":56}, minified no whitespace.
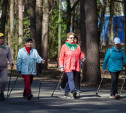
{"x":123,"y":84}
{"x":59,"y":81}
{"x":13,"y":86}
{"x":40,"y":82}
{"x":9,"y":83}
{"x":100,"y":85}
{"x":40,"y":86}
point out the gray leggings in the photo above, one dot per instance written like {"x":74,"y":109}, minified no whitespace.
{"x":3,"y":79}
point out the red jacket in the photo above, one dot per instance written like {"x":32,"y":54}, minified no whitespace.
{"x":69,"y":59}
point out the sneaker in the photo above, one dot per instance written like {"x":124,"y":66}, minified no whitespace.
{"x":2,"y":97}
{"x":67,"y":95}
{"x":117,"y":96}
{"x":29,"y":96}
{"x":112,"y":96}
{"x":24,"y":95}
{"x":62,"y":89}
{"x":74,"y":95}
{"x":78,"y":91}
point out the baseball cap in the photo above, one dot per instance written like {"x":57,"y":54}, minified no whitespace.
{"x":116,"y":40}
{"x":28,"y":39}
{"x":1,"y":34}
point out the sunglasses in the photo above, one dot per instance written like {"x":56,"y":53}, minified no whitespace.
{"x":71,"y":37}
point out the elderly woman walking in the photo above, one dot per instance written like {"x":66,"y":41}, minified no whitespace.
{"x":69,"y":62}
{"x":5,"y":55}
{"x":26,"y":65}
{"x":113,"y":60}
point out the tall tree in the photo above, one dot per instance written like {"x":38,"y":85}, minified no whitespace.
{"x":92,"y":54}
{"x":20,"y":19}
{"x":59,"y":28}
{"x":83,"y":37}
{"x":32,"y":4}
{"x":11,"y":30}
{"x":111,"y":12}
{"x":4,"y":15}
{"x":69,"y":13}
{"x":38,"y":30}
{"x":45,"y":22}
{"x":103,"y":9}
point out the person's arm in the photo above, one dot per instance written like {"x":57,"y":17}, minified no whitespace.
{"x":124,"y":56}
{"x":82,"y":56}
{"x":107,"y":56}
{"x":39,"y":59}
{"x":9,"y":56}
{"x":61,"y":59}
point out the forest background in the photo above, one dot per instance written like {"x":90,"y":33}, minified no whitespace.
{"x":48,"y":21}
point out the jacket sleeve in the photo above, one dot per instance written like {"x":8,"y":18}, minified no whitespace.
{"x":107,"y":56}
{"x":39,"y":59}
{"x":10,"y":56}
{"x":61,"y":58}
{"x":124,"y":56}
{"x":19,"y":61}
{"x":82,"y":55}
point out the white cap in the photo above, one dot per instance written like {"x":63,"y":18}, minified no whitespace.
{"x":116,"y":40}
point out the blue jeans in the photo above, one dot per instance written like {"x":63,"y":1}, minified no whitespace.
{"x":70,"y":84}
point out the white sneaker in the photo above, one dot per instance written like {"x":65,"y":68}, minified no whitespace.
{"x":112,"y":96}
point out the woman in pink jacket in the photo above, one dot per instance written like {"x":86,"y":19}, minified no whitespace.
{"x":69,"y":62}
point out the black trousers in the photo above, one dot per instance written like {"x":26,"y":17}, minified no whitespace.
{"x":114,"y":88}
{"x":64,"y":80}
{"x":77,"y":79}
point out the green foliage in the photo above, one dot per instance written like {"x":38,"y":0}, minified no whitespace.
{"x":26,"y":25}
{"x":15,"y":38}
{"x":53,"y":32}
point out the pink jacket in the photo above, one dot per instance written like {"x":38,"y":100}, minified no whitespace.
{"x":70,"y":60}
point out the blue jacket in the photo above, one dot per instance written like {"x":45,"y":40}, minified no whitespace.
{"x":114,"y":59}
{"x":26,"y":63}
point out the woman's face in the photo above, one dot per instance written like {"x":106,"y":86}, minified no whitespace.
{"x":75,"y":40}
{"x":29,"y":44}
{"x":117,"y":46}
{"x":70,"y":39}
{"x":2,"y":40}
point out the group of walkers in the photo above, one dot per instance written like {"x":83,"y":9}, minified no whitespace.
{"x":70,"y":60}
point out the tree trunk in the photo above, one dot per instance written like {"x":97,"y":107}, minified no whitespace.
{"x":26,"y":7}
{"x":101,"y":19}
{"x":38,"y":30}
{"x":68,"y":16}
{"x":4,"y":15}
{"x":11,"y":30}
{"x":45,"y":22}
{"x":20,"y":19}
{"x":110,"y":22}
{"x":93,"y":60}
{"x":32,"y":4}
{"x":59,"y":30}
{"x":83,"y":37}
